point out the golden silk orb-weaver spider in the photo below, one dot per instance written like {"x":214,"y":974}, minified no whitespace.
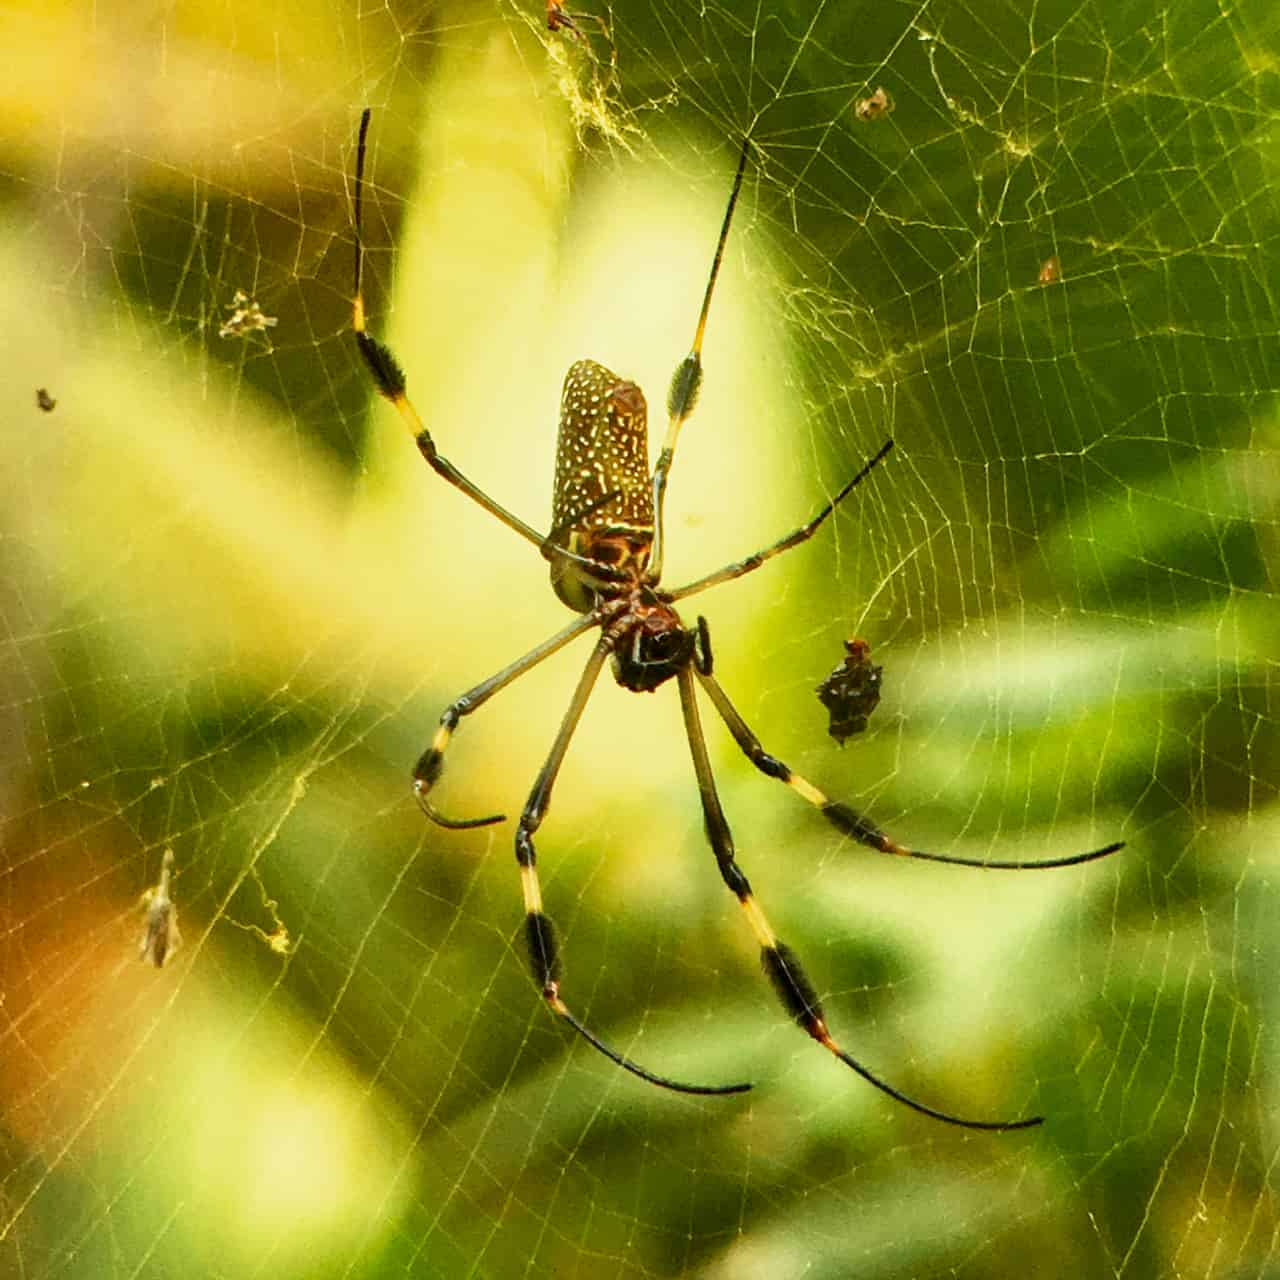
{"x":605,"y":553}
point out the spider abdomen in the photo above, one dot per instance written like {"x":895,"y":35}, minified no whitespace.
{"x":602,"y":504}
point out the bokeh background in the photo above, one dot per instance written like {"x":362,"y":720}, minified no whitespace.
{"x":233,"y":602}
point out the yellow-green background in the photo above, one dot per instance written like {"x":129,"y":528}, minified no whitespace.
{"x":233,"y":602}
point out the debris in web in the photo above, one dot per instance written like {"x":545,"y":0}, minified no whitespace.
{"x":161,"y":938}
{"x":560,"y":19}
{"x":876,"y":107}
{"x":851,"y":692}
{"x":246,"y":317}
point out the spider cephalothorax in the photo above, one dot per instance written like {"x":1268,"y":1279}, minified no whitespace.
{"x":648,"y":642}
{"x":605,"y":549}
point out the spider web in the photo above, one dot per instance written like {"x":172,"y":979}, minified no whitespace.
{"x":234,"y":602}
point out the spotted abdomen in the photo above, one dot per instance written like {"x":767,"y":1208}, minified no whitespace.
{"x":602,"y":506}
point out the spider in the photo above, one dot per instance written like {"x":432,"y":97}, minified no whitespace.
{"x":605,"y":552}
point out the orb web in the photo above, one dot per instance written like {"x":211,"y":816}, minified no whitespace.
{"x":1037,"y":249}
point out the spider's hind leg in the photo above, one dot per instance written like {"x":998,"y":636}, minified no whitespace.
{"x":789,"y":980}
{"x":540,"y":932}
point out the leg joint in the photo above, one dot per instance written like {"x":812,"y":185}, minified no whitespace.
{"x":686,"y":382}
{"x":792,"y":986}
{"x":382,"y":365}
{"x":852,"y":823}
{"x":769,"y":765}
{"x":525,"y":854}
{"x":429,"y":767}
{"x":544,"y":951}
{"x":734,"y":877}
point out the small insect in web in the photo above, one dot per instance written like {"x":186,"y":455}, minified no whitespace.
{"x":160,"y":938}
{"x":560,"y":19}
{"x":875,"y":107}
{"x":1050,"y":270}
{"x":605,"y":550}
{"x":851,"y":692}
{"x":246,"y":318}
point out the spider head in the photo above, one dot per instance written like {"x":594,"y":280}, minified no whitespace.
{"x":651,"y":646}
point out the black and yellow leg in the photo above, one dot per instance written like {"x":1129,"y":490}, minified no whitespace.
{"x":789,"y":980}
{"x":540,"y":932}
{"x":848,"y":820}
{"x":389,"y":378}
{"x":430,"y":766}
{"x":686,"y":382}
{"x":793,"y":539}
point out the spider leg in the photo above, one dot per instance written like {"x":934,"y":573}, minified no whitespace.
{"x":426,"y":773}
{"x":793,"y":539}
{"x":389,"y":379}
{"x":845,"y":818}
{"x":792,"y":985}
{"x":686,"y":382}
{"x":540,"y":932}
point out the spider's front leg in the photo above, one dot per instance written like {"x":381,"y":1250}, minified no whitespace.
{"x":686,"y":382}
{"x":540,"y":932}
{"x":389,"y":379}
